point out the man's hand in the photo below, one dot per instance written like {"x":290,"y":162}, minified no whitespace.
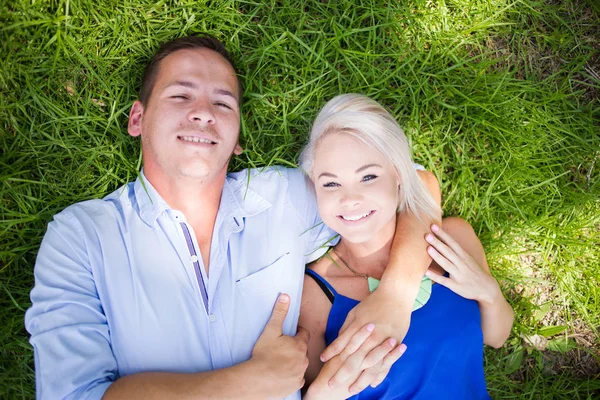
{"x":281,"y":360}
{"x":391,"y":318}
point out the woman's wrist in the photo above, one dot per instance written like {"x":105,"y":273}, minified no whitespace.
{"x":492,"y":295}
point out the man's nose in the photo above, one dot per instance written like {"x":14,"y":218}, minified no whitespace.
{"x":202,"y":112}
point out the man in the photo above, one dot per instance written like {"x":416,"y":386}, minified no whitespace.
{"x":186,"y":283}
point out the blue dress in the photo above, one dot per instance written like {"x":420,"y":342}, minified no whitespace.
{"x":444,"y":358}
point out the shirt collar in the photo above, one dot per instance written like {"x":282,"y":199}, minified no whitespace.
{"x":237,"y":199}
{"x":150,"y":203}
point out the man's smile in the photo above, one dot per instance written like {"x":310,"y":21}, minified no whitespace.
{"x":196,"y":139}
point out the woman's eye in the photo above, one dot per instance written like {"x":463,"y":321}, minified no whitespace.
{"x":179,"y":96}
{"x":331,"y":184}
{"x":369,"y":177}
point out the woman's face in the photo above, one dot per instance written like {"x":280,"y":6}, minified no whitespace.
{"x":357,"y":189}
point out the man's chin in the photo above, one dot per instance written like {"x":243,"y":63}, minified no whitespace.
{"x":201,"y":172}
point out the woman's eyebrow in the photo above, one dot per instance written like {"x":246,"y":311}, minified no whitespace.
{"x":327,"y":174}
{"x":361,"y":169}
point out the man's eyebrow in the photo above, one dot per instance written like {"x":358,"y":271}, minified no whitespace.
{"x":194,"y":85}
{"x":187,"y":84}
{"x":226,"y":93}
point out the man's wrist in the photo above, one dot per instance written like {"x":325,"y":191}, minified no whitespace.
{"x":404,"y":292}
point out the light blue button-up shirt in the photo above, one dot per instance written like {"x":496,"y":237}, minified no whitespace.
{"x":120,"y":287}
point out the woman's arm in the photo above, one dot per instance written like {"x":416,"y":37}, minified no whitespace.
{"x":314,"y":312}
{"x":470,"y":277}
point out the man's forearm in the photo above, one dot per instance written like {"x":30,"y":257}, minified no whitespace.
{"x":408,"y":257}
{"x":241,"y":381}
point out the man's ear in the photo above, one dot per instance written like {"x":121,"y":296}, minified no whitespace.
{"x":134,"y":127}
{"x":238,"y":150}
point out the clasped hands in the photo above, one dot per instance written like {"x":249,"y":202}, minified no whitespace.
{"x":361,"y":356}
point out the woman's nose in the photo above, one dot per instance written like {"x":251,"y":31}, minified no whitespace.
{"x":350,"y":199}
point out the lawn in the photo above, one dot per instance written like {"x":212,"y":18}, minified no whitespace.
{"x":500,"y":99}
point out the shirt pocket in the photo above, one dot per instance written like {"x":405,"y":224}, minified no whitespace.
{"x":263,"y":278}
{"x":260,"y":289}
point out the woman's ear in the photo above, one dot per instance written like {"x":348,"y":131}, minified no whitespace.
{"x":134,"y":127}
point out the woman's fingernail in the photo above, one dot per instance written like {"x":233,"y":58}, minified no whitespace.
{"x":402,"y":348}
{"x":393,"y":341}
{"x":429,"y":237}
{"x":435,"y":228}
{"x":370,"y":327}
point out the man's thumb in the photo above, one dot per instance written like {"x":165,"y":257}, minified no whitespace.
{"x":279,"y":312}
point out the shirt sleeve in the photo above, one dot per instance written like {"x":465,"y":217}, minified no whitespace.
{"x":317,"y":235}
{"x":69,"y":331}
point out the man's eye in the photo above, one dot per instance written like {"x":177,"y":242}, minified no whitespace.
{"x":331,"y":184}
{"x":179,"y":96}
{"x":369,"y":177}
{"x":221,"y":104}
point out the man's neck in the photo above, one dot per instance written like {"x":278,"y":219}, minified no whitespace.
{"x":198,"y":200}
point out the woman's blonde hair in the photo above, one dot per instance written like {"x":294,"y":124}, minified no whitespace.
{"x":366,"y":120}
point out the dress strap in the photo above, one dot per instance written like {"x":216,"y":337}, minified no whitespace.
{"x":323,"y":284}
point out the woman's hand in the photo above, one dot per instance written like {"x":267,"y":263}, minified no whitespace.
{"x":391,"y":318}
{"x":354,"y":369}
{"x":467,"y":277}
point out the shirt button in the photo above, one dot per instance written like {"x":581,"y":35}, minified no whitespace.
{"x":212,"y":318}
{"x":194,"y":259}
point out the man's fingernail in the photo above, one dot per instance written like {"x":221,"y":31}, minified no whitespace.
{"x":283,"y":298}
{"x":370,"y":327}
{"x":322,"y":358}
{"x":393,"y":341}
{"x":330,"y":384}
{"x":402,"y":347}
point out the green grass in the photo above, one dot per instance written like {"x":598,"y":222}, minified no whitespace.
{"x":500,"y":98}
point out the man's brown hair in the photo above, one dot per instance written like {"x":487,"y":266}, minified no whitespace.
{"x":197,"y":41}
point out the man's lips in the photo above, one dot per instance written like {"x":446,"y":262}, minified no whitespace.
{"x":197,"y":139}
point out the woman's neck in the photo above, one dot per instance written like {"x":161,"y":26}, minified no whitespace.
{"x":369,"y":257}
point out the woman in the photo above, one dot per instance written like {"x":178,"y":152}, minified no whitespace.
{"x":359,"y":161}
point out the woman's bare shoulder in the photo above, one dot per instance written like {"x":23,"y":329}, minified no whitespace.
{"x":321,"y":265}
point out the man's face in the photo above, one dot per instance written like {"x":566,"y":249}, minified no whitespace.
{"x":190,"y":126}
